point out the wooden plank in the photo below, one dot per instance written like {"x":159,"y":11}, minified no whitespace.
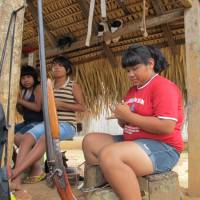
{"x":33,"y":11}
{"x":186,"y":3}
{"x":158,"y":7}
{"x":192,"y":42}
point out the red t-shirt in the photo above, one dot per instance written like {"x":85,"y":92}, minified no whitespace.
{"x":161,"y":98}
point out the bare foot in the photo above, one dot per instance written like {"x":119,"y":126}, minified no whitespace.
{"x":22,"y":195}
{"x":14,"y":186}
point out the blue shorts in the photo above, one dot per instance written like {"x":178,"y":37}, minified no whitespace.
{"x":164,"y":157}
{"x":24,"y":127}
{"x":67,"y":131}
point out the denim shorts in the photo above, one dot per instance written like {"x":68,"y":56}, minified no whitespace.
{"x":67,"y":131}
{"x":24,"y":127}
{"x":164,"y":157}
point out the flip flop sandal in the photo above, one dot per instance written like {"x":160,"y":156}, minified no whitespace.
{"x":34,"y":179}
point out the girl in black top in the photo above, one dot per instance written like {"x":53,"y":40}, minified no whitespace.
{"x":29,"y":102}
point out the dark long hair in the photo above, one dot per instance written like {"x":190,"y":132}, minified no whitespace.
{"x":64,"y":62}
{"x":28,"y":70}
{"x":140,"y":54}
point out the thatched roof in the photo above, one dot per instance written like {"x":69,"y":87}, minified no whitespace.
{"x":165,"y":28}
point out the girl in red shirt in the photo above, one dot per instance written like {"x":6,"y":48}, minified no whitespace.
{"x":151,"y":117}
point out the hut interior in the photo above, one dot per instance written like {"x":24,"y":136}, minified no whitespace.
{"x":172,"y":25}
{"x":97,"y":66}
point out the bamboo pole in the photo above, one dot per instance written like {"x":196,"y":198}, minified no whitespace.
{"x":6,"y":8}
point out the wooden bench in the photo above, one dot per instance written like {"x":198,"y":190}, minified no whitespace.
{"x":164,"y":186}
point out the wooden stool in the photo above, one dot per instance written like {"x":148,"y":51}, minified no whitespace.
{"x":164,"y":186}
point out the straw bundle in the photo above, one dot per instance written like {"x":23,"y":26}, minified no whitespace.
{"x":102,"y":85}
{"x":176,"y":70}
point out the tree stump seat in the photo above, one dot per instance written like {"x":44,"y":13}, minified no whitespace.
{"x":164,"y":186}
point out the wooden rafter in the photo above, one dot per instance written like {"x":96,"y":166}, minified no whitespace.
{"x":107,"y":50}
{"x":102,"y":54}
{"x":110,"y":56}
{"x":126,"y":29}
{"x":33,"y":11}
{"x":186,"y":3}
{"x":158,"y":7}
{"x":85,"y":12}
{"x":124,"y":8}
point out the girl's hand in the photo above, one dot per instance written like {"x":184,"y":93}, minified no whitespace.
{"x":121,"y":123}
{"x":121,"y":111}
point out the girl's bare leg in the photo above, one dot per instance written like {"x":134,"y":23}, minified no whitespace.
{"x":93,"y":144}
{"x":120,"y":162}
{"x":27,"y":156}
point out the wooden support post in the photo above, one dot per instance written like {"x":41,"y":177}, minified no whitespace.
{"x":6,"y":9}
{"x":192,"y":40}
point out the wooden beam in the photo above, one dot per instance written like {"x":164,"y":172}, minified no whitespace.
{"x":110,"y":56}
{"x":192,"y":43}
{"x":158,"y":7}
{"x":48,"y":34}
{"x":186,"y":3}
{"x":85,"y":12}
{"x":102,"y":54}
{"x":129,"y":28}
{"x":124,"y":8}
{"x":155,"y":21}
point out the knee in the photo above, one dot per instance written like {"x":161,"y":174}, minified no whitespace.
{"x":27,"y":139}
{"x":108,"y":158}
{"x":88,"y":140}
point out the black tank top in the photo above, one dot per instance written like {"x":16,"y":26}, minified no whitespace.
{"x":30,"y":115}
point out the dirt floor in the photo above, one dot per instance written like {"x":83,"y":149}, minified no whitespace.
{"x":41,"y":191}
